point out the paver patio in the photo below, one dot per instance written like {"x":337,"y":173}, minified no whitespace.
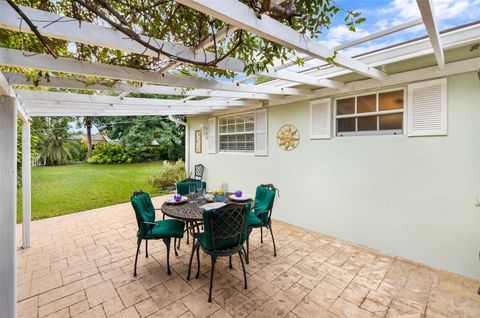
{"x":81,"y":265}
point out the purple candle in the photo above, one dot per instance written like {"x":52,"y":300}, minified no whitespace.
{"x":238,"y":194}
{"x":177,"y":197}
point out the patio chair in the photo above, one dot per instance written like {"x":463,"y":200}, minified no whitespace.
{"x":183,"y":186}
{"x":197,"y":174}
{"x":224,"y":235}
{"x":149,"y":229}
{"x":183,"y":189}
{"x":261,"y":215}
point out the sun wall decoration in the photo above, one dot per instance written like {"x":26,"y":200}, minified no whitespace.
{"x":288,"y":137}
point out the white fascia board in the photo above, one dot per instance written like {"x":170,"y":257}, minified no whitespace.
{"x":69,"y":29}
{"x":17,"y":58}
{"x":235,"y":13}
{"x":31,"y":95}
{"x":428,"y":16}
{"x":456,"y":38}
{"x":63,"y":82}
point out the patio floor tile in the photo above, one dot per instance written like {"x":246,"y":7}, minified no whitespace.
{"x":76,"y":268}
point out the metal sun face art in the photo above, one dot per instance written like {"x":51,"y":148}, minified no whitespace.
{"x":288,"y":137}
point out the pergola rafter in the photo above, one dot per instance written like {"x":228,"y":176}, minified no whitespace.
{"x":235,"y":13}
{"x":428,"y":16}
{"x":32,"y":95}
{"x":11,"y":57}
{"x":16,"y":79}
{"x":69,"y":29}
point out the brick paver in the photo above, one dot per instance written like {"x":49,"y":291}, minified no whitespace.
{"x":81,"y":265}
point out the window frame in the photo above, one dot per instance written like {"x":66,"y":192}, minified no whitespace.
{"x":377,"y":112}
{"x":252,"y":113}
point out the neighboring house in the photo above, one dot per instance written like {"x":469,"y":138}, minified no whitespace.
{"x":96,"y":139}
{"x":393,"y":165}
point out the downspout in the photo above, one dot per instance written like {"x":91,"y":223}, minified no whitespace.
{"x":187,"y":141}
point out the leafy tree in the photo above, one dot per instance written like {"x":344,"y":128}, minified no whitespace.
{"x":54,"y":145}
{"x":173,"y":22}
{"x":140,"y":131}
{"x":34,"y":141}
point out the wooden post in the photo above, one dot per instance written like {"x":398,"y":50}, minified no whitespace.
{"x":26,"y":184}
{"x":8,"y":205}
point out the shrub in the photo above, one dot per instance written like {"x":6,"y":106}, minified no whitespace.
{"x":170,"y":174}
{"x":116,"y":153}
{"x":109,"y":153}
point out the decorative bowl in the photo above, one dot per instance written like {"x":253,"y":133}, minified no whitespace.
{"x":219,"y":198}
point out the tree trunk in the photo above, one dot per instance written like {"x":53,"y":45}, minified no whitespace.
{"x":88,"y":126}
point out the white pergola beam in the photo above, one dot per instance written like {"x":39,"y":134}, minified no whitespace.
{"x":235,"y":13}
{"x":63,"y":82}
{"x":69,"y":29}
{"x":31,"y":95}
{"x":8,"y":206}
{"x":11,"y":57}
{"x":361,"y":40}
{"x":380,"y":34}
{"x":72,"y":106}
{"x":52,"y":113}
{"x":428,"y":16}
{"x":4,"y":86}
{"x":460,"y":37}
{"x":26,"y":184}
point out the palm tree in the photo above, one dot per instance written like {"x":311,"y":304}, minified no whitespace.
{"x":58,"y":151}
{"x":54,"y":146}
{"x":87,"y":121}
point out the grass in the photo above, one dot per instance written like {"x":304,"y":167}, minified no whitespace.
{"x":67,"y":189}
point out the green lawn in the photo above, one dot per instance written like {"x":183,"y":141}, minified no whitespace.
{"x":66,"y":189}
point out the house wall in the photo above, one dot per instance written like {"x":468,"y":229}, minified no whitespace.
{"x":408,"y":196}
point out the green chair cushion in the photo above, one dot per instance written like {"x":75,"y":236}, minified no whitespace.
{"x":144,"y":210}
{"x":182,"y":187}
{"x":220,"y":244}
{"x":205,"y":238}
{"x":167,"y":228}
{"x":264,"y":199}
{"x":253,"y":220}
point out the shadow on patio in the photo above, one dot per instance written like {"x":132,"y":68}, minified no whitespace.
{"x":82,"y":265}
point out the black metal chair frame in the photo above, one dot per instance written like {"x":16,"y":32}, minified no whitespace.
{"x":240,"y":211}
{"x":198,"y":171}
{"x":268,"y":225}
{"x":166,"y":240}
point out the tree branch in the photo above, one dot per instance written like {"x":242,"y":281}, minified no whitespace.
{"x":33,"y":28}
{"x":138,"y":38}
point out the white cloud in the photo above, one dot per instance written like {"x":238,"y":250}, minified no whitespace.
{"x":341,"y":34}
{"x":400,"y":11}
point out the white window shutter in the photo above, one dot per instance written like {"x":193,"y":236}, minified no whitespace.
{"x":320,"y":119}
{"x":212,"y":135}
{"x":427,"y":108}
{"x":261,"y":133}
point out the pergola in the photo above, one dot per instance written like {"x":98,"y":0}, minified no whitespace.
{"x":213,"y":96}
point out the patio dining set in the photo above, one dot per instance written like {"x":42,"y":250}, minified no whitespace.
{"x":220,"y":228}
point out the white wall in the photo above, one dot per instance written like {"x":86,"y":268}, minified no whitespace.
{"x":411,"y":197}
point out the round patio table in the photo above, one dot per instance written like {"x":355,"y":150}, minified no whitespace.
{"x":191,"y":212}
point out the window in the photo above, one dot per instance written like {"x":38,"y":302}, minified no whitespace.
{"x":237,"y":133}
{"x":370,"y":114}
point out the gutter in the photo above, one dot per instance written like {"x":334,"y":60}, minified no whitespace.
{"x":187,"y":141}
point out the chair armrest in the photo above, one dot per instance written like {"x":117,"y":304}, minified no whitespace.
{"x":151,"y":223}
{"x":261,"y":212}
{"x":151,"y":226}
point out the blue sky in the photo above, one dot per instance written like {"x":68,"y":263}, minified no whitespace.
{"x":383,"y":14}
